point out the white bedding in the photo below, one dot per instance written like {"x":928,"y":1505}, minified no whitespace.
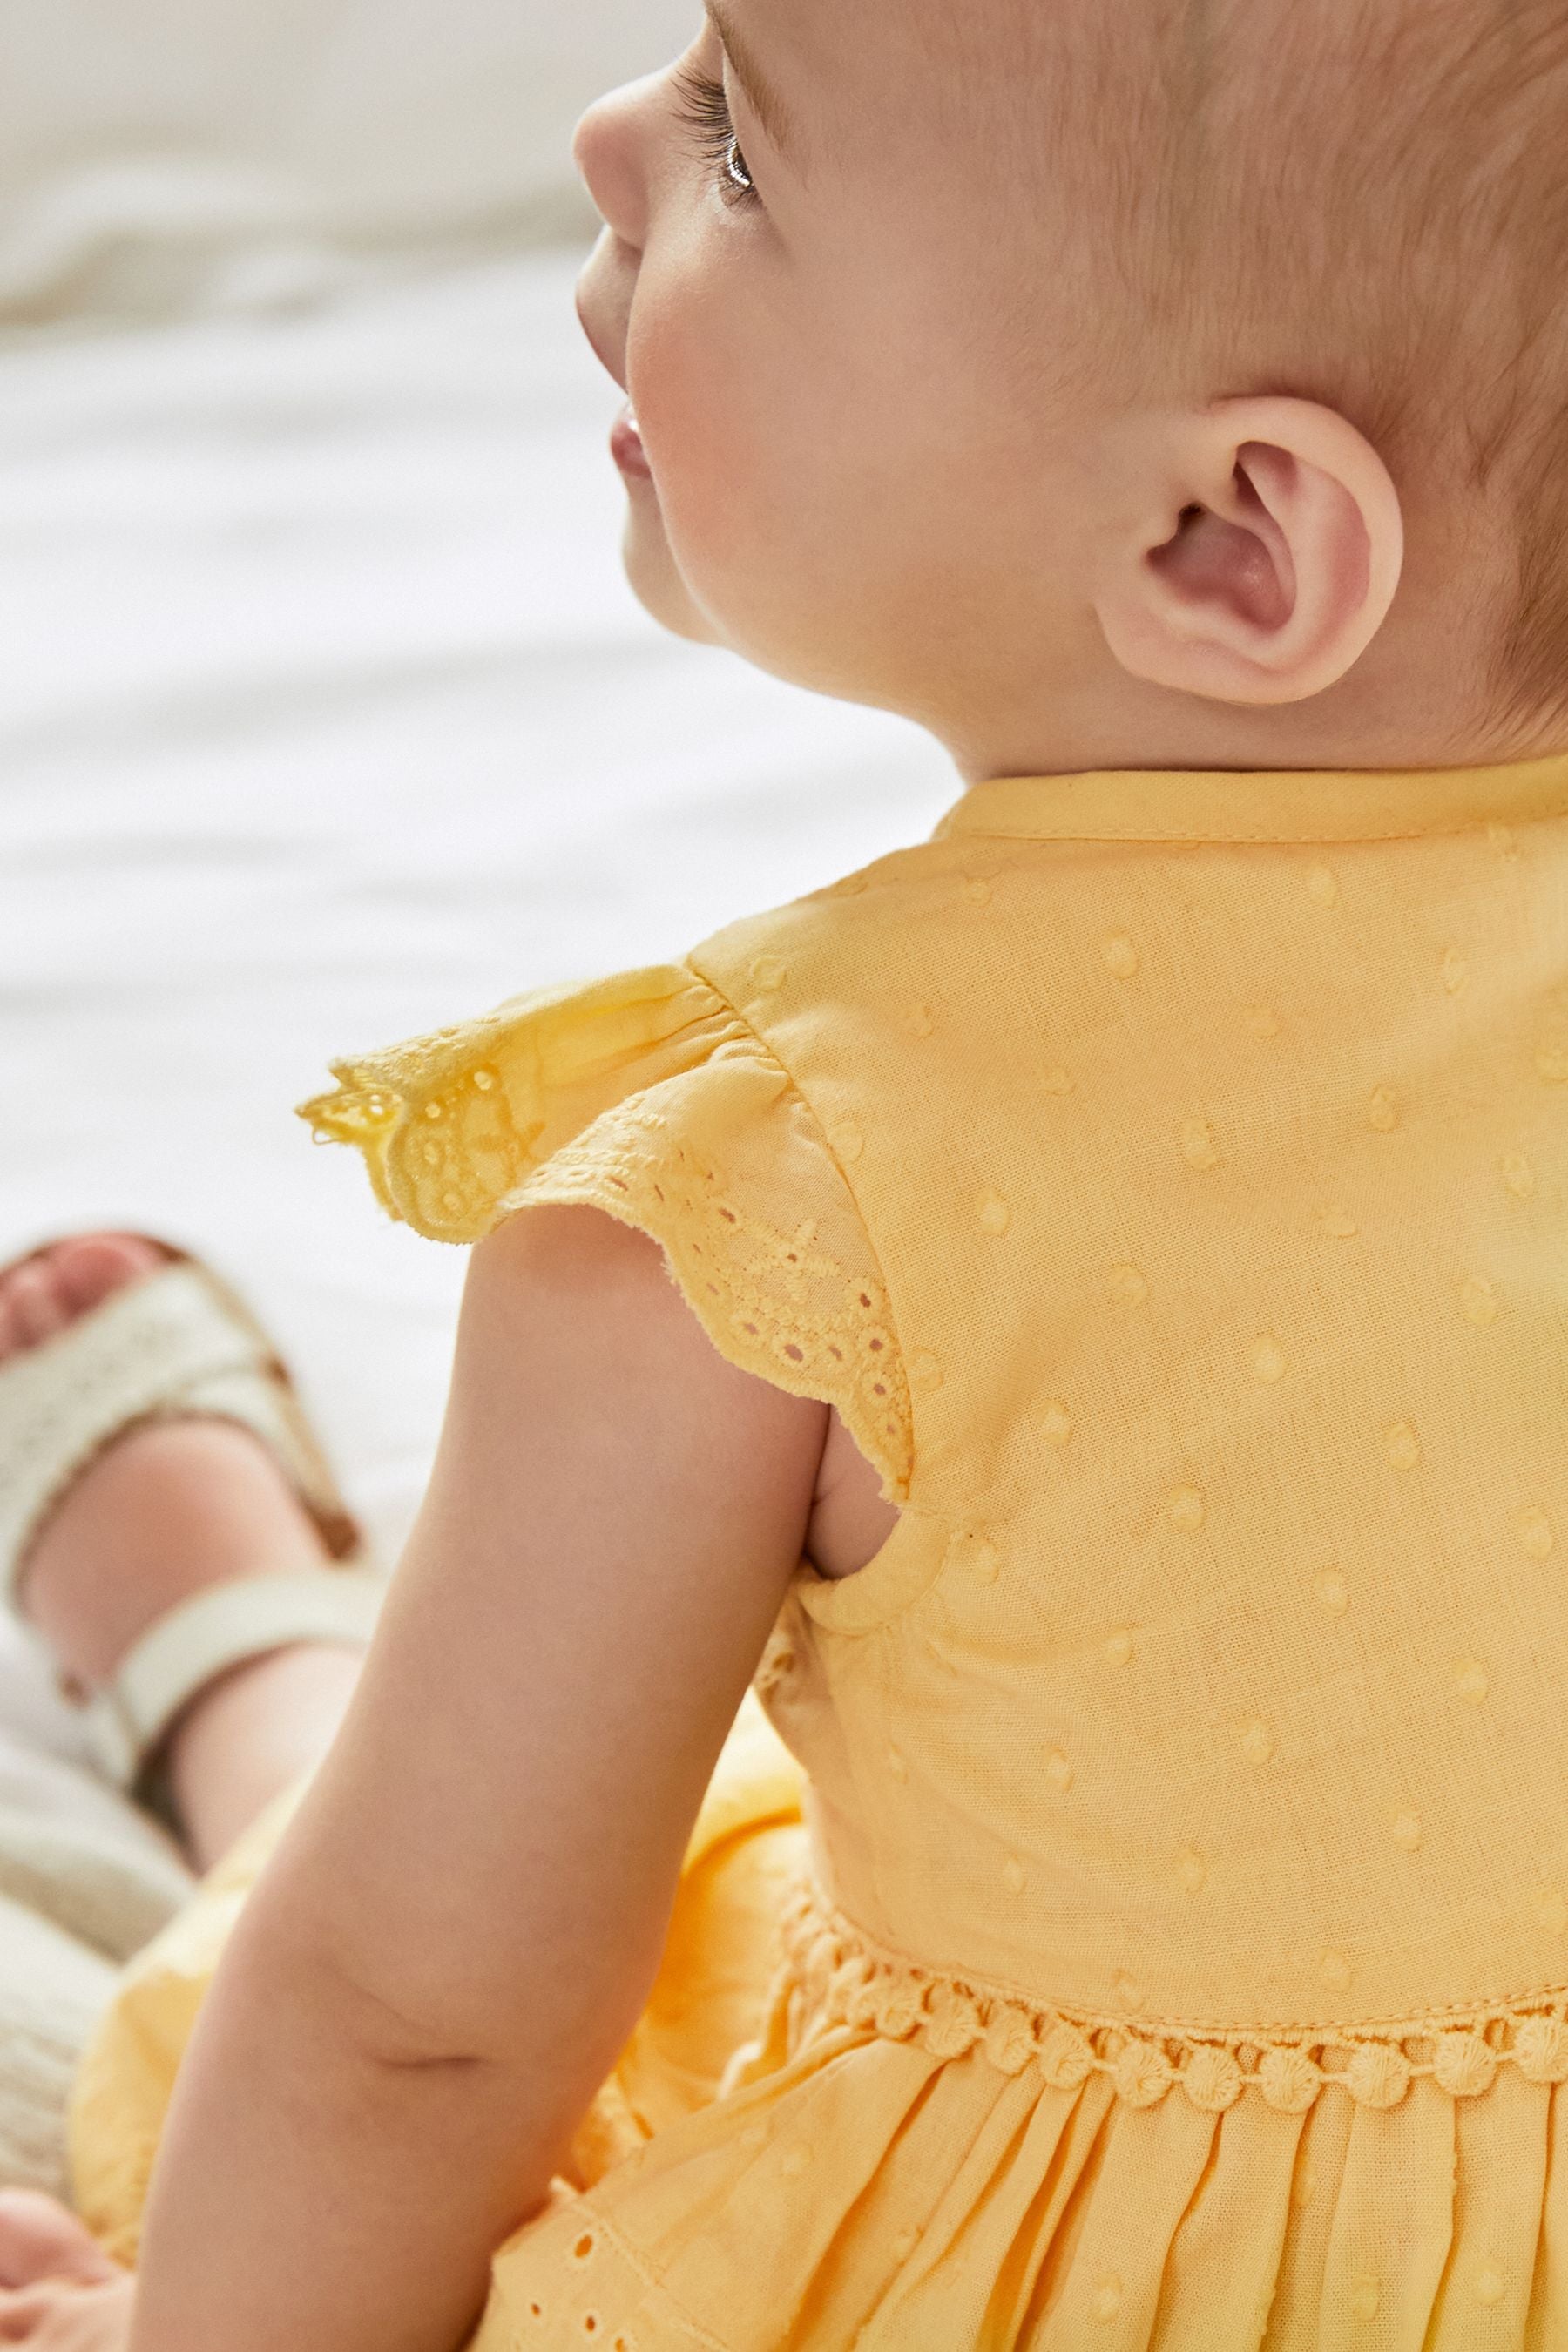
{"x":212,"y":154}
{"x":326,"y":717}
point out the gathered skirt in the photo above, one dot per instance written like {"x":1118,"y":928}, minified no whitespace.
{"x":785,"y":2159}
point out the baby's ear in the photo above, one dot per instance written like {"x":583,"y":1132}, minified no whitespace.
{"x":1267,"y":556}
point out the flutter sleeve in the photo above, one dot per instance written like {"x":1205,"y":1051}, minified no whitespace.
{"x":647,"y":1097}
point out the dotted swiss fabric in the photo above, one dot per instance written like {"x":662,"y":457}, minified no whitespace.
{"x":1167,"y":1176}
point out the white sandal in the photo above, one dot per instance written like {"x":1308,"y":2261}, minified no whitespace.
{"x":174,"y":1345}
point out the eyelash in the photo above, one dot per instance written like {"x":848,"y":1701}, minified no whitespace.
{"x":705,"y":110}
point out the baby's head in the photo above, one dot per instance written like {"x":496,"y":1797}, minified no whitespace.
{"x":1180,"y":382}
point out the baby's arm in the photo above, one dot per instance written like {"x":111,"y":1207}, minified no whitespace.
{"x":454,"y":1942}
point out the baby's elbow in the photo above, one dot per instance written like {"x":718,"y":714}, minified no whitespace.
{"x":414,"y":2014}
{"x":382,"y":2031}
{"x":289,"y":1958}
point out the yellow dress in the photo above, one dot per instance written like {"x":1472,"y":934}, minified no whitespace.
{"x":1133,"y":1911}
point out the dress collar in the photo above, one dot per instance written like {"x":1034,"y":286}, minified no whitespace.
{"x":1188,"y":804}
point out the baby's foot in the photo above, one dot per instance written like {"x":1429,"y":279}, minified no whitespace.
{"x":168,"y":1509}
{"x":58,"y":2291}
{"x":40,"y":2239}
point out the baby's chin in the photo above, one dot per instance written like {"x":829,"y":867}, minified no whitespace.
{"x":654,"y":576}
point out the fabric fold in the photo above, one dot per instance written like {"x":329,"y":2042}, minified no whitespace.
{"x":964,"y":2207}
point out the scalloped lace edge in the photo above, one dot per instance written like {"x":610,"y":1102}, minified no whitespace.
{"x":779,"y":1304}
{"x":842,"y":1978}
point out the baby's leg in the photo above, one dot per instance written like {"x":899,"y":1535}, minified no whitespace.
{"x":165,"y":1512}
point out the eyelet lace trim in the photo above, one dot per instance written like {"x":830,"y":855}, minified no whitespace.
{"x":442,"y":1137}
{"x":449,"y":1152}
{"x":844,"y":1979}
{"x":776,"y":1303}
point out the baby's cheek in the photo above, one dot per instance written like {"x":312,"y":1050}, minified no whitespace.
{"x":716,"y":375}
{"x":703,"y":444}
{"x":771,"y":471}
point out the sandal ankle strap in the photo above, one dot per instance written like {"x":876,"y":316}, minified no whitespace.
{"x":229,"y":1624}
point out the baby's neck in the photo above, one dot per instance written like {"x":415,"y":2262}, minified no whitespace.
{"x":1363,"y":726}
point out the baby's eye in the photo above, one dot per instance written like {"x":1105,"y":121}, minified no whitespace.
{"x":705,"y":110}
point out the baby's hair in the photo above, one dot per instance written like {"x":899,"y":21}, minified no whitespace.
{"x":1366,"y":202}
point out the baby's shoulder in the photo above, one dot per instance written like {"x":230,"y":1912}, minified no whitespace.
{"x":834,"y":946}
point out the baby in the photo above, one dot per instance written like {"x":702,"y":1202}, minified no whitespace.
{"x":1117,"y":1346}
{"x":1063,"y":379}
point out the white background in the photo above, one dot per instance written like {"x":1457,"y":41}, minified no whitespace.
{"x":154,"y":153}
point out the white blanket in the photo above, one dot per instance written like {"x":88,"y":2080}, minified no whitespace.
{"x":326,"y":717}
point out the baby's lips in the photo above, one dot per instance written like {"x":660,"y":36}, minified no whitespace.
{"x":626,"y":446}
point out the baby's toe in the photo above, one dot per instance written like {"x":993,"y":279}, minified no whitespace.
{"x":42,"y":1296}
{"x":42,"y":2240}
{"x":88,"y":1271}
{"x":70,"y":2315}
{"x":37,"y":1310}
{"x":23,"y":2317}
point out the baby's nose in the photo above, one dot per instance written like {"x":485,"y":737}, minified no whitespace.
{"x":606,"y":150}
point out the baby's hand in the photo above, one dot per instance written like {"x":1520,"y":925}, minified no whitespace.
{"x":58,"y":2293}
